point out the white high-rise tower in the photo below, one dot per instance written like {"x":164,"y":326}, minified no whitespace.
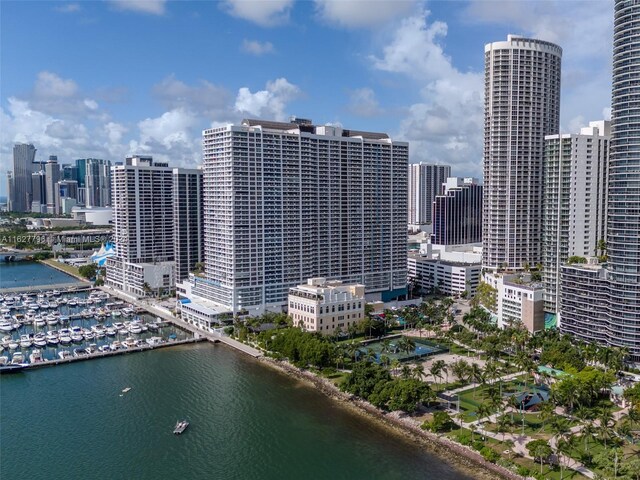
{"x":522,"y":105}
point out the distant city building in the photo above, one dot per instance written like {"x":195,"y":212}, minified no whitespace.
{"x":603,"y":302}
{"x":326,"y":306}
{"x":424,"y":183}
{"x":97,"y":182}
{"x":188,"y":221}
{"x":457,"y":213}
{"x":575,"y":200}
{"x":284,"y":202}
{"x":24,"y":155}
{"x":143,"y":228}
{"x":522,"y":105}
{"x":52,"y":170}
{"x":38,"y":192}
{"x":69,"y":172}
{"x":445,"y":270}
{"x":65,"y":191}
{"x":10,"y":191}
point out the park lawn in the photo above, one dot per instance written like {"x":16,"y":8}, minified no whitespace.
{"x":548,"y":471}
{"x":470,"y":400}
{"x":62,"y":266}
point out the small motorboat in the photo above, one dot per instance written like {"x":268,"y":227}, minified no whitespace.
{"x":64,"y":354}
{"x":180,"y":427}
{"x":35,"y":356}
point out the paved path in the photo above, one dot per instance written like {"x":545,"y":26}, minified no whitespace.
{"x":520,"y":441}
{"x":504,"y":378}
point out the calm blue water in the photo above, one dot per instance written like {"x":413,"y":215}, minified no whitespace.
{"x":247,"y":422}
{"x":24,"y":274}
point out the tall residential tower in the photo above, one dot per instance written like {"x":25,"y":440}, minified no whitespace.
{"x":24,"y":155}
{"x":284,"y":202}
{"x":522,"y":105}
{"x":425,"y":182}
{"x":603,"y":303}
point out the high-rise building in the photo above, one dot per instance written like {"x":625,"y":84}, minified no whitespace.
{"x":188,"y":222}
{"x":69,"y":172}
{"x":52,"y":170}
{"x":284,"y":202}
{"x":522,"y":105}
{"x":38,"y":192}
{"x":575,"y":200}
{"x":143,"y":228}
{"x":424,"y":182}
{"x":66,"y":192}
{"x":599,"y":302}
{"x":10,"y":191}
{"x":24,"y":155}
{"x":97,"y":182}
{"x":457,"y":213}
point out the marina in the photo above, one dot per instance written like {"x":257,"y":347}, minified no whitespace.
{"x":54,"y":326}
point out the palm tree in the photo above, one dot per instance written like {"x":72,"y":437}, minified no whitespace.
{"x":477,"y":376}
{"x":395,"y":365}
{"x":385,"y":346}
{"x":547,"y":410}
{"x":437,"y":369}
{"x":418,"y":371}
{"x":406,"y":371}
{"x":460,"y":370}
{"x":385,"y":360}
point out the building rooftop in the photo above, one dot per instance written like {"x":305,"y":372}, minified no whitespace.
{"x":307,"y":126}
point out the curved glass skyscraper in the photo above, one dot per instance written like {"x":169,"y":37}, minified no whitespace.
{"x":603,"y":304}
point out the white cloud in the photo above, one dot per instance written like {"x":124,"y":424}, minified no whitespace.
{"x":203,"y":99}
{"x":363,"y":103}
{"x":170,"y":128}
{"x":114,"y":132}
{"x":264,"y":13}
{"x":256,"y":48}
{"x":68,"y":8}
{"x":445,"y":126}
{"x":269,"y":103}
{"x":51,"y":85}
{"x":153,"y":7}
{"x":362,"y":13}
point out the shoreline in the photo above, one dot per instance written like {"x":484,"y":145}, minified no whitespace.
{"x":459,"y":456}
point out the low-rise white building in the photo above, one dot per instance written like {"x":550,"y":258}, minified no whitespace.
{"x":451,"y":270}
{"x":518,"y":300}
{"x":324,"y":306}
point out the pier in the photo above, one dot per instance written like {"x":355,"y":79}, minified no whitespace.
{"x":49,"y":363}
{"x":214,"y":337}
{"x":68,"y":287}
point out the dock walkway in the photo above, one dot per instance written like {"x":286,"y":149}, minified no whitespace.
{"x":64,"y":287}
{"x":198,"y":333}
{"x":171,"y":343}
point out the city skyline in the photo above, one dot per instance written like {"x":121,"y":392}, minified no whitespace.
{"x":272,"y":62}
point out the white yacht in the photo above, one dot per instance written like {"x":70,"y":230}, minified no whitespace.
{"x":6,"y":326}
{"x":36,"y":356}
{"x":39,"y":340}
{"x":64,"y":354}
{"x":17,"y":358}
{"x":52,"y":338}
{"x":26,"y":341}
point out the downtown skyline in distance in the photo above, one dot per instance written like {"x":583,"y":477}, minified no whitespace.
{"x":82,"y":84}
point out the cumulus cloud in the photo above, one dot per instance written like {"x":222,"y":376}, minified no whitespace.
{"x":153,"y":7}
{"x":204,"y":98}
{"x":264,"y":13}
{"x":362,"y":13}
{"x":445,"y":126}
{"x":268,"y":103}
{"x":256,"y":48}
{"x":363,"y":102}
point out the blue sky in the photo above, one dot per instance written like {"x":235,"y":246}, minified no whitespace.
{"x":112,"y":78}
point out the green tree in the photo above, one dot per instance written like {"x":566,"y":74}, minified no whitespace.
{"x":88,"y":271}
{"x":539,"y":449}
{"x":441,"y":422}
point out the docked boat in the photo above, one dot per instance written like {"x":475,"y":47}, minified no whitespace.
{"x":35,"y":356}
{"x":13,"y":344}
{"x":39,"y":322}
{"x":6,"y":326}
{"x":17,"y":358}
{"x":4,"y":360}
{"x":64,"y":335}
{"x":26,"y":341}
{"x":40,"y":340}
{"x":52,"y":338}
{"x":115,"y":346}
{"x":180,"y":427}
{"x":79,"y":352}
{"x":64,"y":354}
{"x":104,"y":348}
{"x":111,"y":331}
